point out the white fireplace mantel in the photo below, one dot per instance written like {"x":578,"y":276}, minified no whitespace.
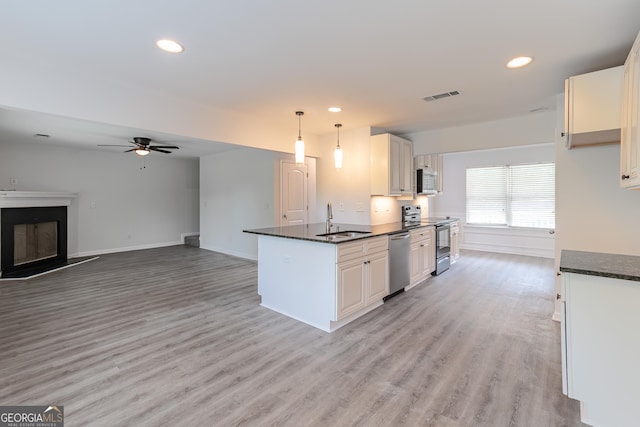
{"x":32,"y":199}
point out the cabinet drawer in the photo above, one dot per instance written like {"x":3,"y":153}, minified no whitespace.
{"x":362,"y":247}
{"x":352,"y":250}
{"x":420,"y":234}
{"x":376,"y":244}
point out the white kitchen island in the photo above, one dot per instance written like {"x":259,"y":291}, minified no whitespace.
{"x":324,"y":281}
{"x":307,"y":281}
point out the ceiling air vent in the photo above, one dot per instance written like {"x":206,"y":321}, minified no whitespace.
{"x":441,"y":95}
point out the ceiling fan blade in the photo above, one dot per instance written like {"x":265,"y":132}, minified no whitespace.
{"x":128,"y":151}
{"x":166,"y":147}
{"x":159,"y":150}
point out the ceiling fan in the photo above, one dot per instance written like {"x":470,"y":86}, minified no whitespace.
{"x":143,"y":146}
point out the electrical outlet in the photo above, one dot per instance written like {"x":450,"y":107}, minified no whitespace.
{"x":13,"y":181}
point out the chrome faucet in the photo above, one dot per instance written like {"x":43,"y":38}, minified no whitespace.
{"x":329,"y":216}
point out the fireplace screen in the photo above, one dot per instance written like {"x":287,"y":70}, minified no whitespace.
{"x":35,"y":242}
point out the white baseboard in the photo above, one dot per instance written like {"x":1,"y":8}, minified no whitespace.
{"x":251,"y":257}
{"x":512,"y":250}
{"x":125,"y":249}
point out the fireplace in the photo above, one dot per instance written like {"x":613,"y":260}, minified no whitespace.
{"x":32,"y":240}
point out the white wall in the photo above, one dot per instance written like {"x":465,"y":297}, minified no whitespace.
{"x":240,"y":190}
{"x":453,"y":201}
{"x":592,"y":212}
{"x":348,"y":189}
{"x":534,"y":128}
{"x":120,"y":206}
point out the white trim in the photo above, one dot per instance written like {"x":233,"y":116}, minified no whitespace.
{"x":249,"y":256}
{"x":126,"y":249}
{"x":517,"y":241}
{"x":30,"y":199}
{"x":6,"y":279}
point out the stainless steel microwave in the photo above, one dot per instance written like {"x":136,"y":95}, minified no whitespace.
{"x":426,"y":181}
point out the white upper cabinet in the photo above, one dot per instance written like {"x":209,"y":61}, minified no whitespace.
{"x":593,"y":104}
{"x":391,"y":165}
{"x":630,"y":135}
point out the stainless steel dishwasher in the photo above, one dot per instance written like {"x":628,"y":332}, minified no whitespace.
{"x":399,"y":273}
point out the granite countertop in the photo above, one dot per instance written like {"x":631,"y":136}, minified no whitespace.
{"x":626,"y":267}
{"x":311,"y":232}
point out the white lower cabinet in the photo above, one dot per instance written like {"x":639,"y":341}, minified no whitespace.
{"x":455,"y":245}
{"x":351,"y":276}
{"x":422,"y":254}
{"x":362,"y":275}
{"x":601,"y":348}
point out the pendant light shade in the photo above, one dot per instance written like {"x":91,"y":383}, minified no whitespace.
{"x":299,"y":141}
{"x":337,"y":153}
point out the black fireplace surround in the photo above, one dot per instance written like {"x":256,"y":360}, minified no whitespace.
{"x":10,"y":217}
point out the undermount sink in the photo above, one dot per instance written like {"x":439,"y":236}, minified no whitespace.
{"x":342,"y":234}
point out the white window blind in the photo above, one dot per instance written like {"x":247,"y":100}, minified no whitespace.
{"x":487,"y":195}
{"x":517,"y":196}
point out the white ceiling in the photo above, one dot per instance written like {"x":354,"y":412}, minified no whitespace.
{"x":376,"y":59}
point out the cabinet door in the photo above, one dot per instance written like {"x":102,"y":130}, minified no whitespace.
{"x":455,"y":248}
{"x":377,"y":283}
{"x":395,"y":177}
{"x":634,"y":116}
{"x":406,"y":167}
{"x":350,"y":286}
{"x":625,"y":137}
{"x":630,"y":134}
{"x":428,"y":257}
{"x":416,"y":263}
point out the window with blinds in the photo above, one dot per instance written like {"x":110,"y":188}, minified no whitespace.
{"x":515,"y":196}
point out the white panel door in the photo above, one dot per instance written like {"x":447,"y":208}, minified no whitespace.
{"x":293,"y":194}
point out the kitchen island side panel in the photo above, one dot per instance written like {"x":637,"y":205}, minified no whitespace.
{"x":603,"y":348}
{"x":297,"y":278}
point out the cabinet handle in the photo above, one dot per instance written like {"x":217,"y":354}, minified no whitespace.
{"x":623,"y":177}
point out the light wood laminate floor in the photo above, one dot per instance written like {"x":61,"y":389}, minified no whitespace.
{"x":176,"y":336}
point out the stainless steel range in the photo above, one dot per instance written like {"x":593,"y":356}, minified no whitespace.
{"x":443,"y":248}
{"x":411,"y":215}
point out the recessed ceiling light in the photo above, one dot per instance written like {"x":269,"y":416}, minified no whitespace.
{"x":520,"y":61}
{"x":335,"y":109}
{"x":169,"y":46}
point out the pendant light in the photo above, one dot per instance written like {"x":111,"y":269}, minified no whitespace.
{"x":337,"y":153}
{"x":299,"y":141}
